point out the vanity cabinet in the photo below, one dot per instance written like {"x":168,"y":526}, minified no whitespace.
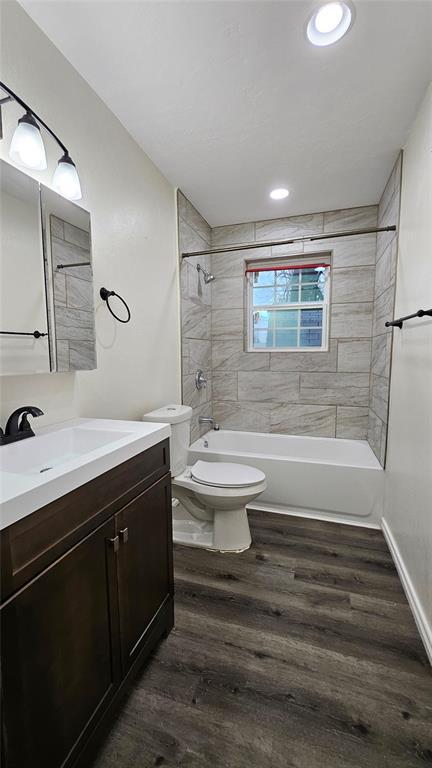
{"x":74,"y":634}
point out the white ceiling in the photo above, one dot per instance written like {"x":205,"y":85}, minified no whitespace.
{"x":230,"y":100}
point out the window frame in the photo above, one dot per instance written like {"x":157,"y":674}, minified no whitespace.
{"x":324,"y":305}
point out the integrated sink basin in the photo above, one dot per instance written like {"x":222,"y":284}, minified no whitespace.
{"x":43,"y":453}
{"x":40,"y":469}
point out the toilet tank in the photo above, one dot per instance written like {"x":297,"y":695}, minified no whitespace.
{"x":179,"y":418}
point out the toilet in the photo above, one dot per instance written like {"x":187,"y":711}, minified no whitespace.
{"x":210,"y":498}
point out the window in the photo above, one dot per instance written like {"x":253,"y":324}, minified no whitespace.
{"x":288,"y":307}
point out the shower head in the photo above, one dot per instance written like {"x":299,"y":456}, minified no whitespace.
{"x":208,"y":277}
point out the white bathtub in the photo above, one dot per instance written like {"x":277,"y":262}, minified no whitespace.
{"x":326,"y":478}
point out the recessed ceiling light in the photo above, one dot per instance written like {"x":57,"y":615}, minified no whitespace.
{"x":330,"y":22}
{"x":279,"y":194}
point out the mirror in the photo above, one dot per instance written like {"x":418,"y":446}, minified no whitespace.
{"x":47,"y":309}
{"x":23,"y":306}
{"x":69,"y":276}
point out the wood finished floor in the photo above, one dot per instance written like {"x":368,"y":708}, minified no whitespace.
{"x":300,"y":653}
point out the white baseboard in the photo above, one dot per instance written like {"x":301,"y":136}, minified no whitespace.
{"x":420,"y":618}
{"x":311,"y":514}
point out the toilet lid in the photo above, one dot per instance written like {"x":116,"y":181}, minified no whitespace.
{"x":226,"y":475}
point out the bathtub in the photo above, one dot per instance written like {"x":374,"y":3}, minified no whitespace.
{"x":325,"y":478}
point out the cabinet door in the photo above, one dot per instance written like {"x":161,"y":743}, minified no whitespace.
{"x":144,"y":564}
{"x":57,"y":654}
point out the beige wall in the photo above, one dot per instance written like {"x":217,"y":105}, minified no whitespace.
{"x":133,"y":232}
{"x":408,"y":498}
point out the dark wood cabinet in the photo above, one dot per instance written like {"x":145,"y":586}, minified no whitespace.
{"x":144,"y":565}
{"x":73,"y":635}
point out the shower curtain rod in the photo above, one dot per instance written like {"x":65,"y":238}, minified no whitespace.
{"x":304,"y":238}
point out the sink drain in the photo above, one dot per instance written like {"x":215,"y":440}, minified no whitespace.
{"x":45,"y":469}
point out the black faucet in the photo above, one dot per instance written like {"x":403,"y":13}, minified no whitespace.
{"x":16,"y":429}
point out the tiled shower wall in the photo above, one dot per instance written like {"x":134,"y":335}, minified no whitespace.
{"x":302,"y":393}
{"x":196,"y":297}
{"x":340,"y":393}
{"x":384,"y":300}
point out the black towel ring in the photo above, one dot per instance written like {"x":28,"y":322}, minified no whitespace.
{"x":105,"y":294}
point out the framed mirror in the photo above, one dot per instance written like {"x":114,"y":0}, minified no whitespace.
{"x":69,"y":279}
{"x":46,"y":286}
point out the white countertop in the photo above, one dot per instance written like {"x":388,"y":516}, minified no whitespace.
{"x":27,"y":489}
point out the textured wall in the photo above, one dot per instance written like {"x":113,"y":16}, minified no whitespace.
{"x":384,"y":301}
{"x":196,"y":298}
{"x":307,"y":393}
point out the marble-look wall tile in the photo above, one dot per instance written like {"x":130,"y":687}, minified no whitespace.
{"x":383,"y":310}
{"x":62,"y":350}
{"x":199,"y":356}
{"x":197,"y":429}
{"x":305,"y":361}
{"x":381,"y":354}
{"x":196,"y":320}
{"x":234,"y":264}
{"x":268,"y":386}
{"x":316,"y":420}
{"x":354,"y":355}
{"x":354,"y":251}
{"x":232,"y":234}
{"x":224,"y":385}
{"x":193,"y":396}
{"x":189,"y":239}
{"x":198,"y":223}
{"x":248,"y":417}
{"x":79,"y":294}
{"x":77,"y":236}
{"x":289,"y":249}
{"x":379,"y":396}
{"x":352,"y":423}
{"x":335,"y":388}
{"x":228,"y":292}
{"x":59,"y":282}
{"x":351,"y":218}
{"x":227,"y":324}
{"x":352,"y":284}
{"x":292,"y":226}
{"x":229,"y":355}
{"x":182,"y":205}
{"x":56,"y":227}
{"x":82,"y":356}
{"x":74,"y":324}
{"x":376,"y":434}
{"x":351,"y":320}
{"x":385,"y":275}
{"x":67,"y":253}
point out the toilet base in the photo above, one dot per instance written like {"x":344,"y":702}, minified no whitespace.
{"x":221,"y":534}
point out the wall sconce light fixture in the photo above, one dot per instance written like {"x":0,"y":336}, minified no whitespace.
{"x":27,"y":148}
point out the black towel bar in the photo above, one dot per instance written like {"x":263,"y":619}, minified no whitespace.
{"x":400,"y":321}
{"x":36,"y":334}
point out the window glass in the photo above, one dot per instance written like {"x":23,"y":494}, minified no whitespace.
{"x":289,"y":308}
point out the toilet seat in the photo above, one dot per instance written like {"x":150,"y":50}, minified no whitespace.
{"x":226,"y":474}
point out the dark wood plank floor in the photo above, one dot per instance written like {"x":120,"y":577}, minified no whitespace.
{"x":300,"y":653}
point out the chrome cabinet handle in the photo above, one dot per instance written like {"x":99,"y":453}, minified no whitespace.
{"x":115,"y":543}
{"x":124,"y":535}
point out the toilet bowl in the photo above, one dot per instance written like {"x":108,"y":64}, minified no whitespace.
{"x":212,"y":495}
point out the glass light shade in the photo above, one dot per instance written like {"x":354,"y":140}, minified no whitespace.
{"x":27,"y":147}
{"x":66,"y":180}
{"x":330,"y":22}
